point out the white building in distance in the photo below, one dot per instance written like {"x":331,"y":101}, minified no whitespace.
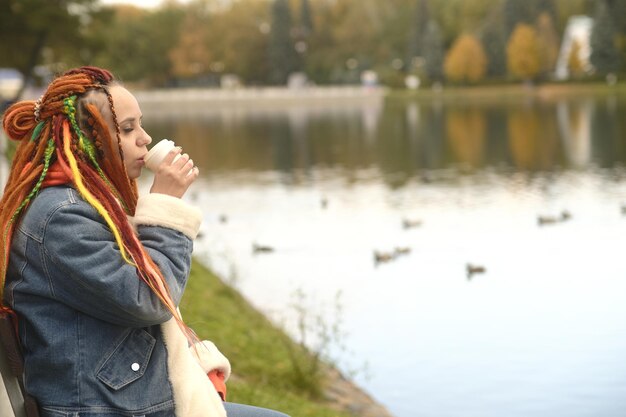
{"x":578,"y":30}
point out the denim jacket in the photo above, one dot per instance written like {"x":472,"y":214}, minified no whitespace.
{"x":93,"y":334}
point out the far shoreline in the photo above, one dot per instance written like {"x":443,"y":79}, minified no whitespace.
{"x":181,"y":100}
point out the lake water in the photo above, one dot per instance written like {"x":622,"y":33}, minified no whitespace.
{"x":541,"y":332}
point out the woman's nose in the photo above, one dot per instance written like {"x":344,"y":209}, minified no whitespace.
{"x":147,"y":139}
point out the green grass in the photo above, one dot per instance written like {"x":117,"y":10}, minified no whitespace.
{"x":499,"y":92}
{"x":259,"y":352}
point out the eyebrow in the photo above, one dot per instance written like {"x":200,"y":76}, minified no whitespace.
{"x":130,"y":119}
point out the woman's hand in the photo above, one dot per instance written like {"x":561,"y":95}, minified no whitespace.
{"x":174,"y":177}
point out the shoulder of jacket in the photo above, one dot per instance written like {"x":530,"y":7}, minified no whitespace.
{"x":53,"y":199}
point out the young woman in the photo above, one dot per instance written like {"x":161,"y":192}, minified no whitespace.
{"x":94,"y":272}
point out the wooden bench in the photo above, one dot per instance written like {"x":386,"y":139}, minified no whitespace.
{"x":12,"y":369}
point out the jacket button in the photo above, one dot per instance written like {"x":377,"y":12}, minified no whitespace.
{"x":135,"y":366}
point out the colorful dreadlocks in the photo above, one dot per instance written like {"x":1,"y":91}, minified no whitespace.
{"x":67,"y":129}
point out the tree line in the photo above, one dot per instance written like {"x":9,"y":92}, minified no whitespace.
{"x":263,"y":42}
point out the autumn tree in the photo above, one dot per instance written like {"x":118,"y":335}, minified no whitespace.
{"x":604,"y":54}
{"x":564,"y":9}
{"x":470,"y":14}
{"x":301,"y":33}
{"x":28,"y":27}
{"x":237,"y":41}
{"x":524,"y":53}
{"x":135,"y":43}
{"x":518,"y":12}
{"x":320,"y":60}
{"x":306,"y":18}
{"x":433,"y":52}
{"x":344,"y":51}
{"x":491,"y":33}
{"x":466,"y":61}
{"x":163,"y":28}
{"x":283,"y":59}
{"x":191,"y":57}
{"x":528,"y":12}
{"x":549,"y":43}
{"x":460,"y":16}
{"x":547,"y":7}
{"x":495,"y":50}
{"x":617,"y":9}
{"x":418,"y":26}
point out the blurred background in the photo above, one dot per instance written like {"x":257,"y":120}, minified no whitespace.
{"x":440,"y":182}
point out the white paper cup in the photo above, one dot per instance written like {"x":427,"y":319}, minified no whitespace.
{"x":158,"y":152}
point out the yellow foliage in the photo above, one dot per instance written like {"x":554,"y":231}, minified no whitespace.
{"x":549,"y":42}
{"x":229,"y":40}
{"x":466,"y":61}
{"x":128,"y":12}
{"x":191,"y":57}
{"x":236,"y":39}
{"x":524,"y":52}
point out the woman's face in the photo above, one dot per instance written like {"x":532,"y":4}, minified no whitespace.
{"x":132,"y":136}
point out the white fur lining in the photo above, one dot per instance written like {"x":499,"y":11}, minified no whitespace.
{"x":194,"y":394}
{"x":209,"y":357}
{"x":166,"y":211}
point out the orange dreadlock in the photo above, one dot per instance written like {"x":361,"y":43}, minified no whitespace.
{"x":67,"y":126}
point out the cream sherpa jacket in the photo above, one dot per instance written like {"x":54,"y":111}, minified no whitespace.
{"x":194,"y":394}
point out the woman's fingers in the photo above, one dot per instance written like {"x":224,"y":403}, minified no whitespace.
{"x":171,"y":155}
{"x":178,"y":161}
{"x":175,"y":174}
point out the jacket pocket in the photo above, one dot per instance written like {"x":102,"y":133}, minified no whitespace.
{"x":128,"y":361}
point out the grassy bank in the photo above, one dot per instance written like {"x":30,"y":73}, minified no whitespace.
{"x":499,"y":92}
{"x":260,"y":354}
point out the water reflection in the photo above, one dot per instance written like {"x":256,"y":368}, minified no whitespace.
{"x":288,"y":140}
{"x":574,"y":119}
{"x":466,"y":133}
{"x":534,"y":139}
{"x":402,"y":140}
{"x":540,"y":332}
